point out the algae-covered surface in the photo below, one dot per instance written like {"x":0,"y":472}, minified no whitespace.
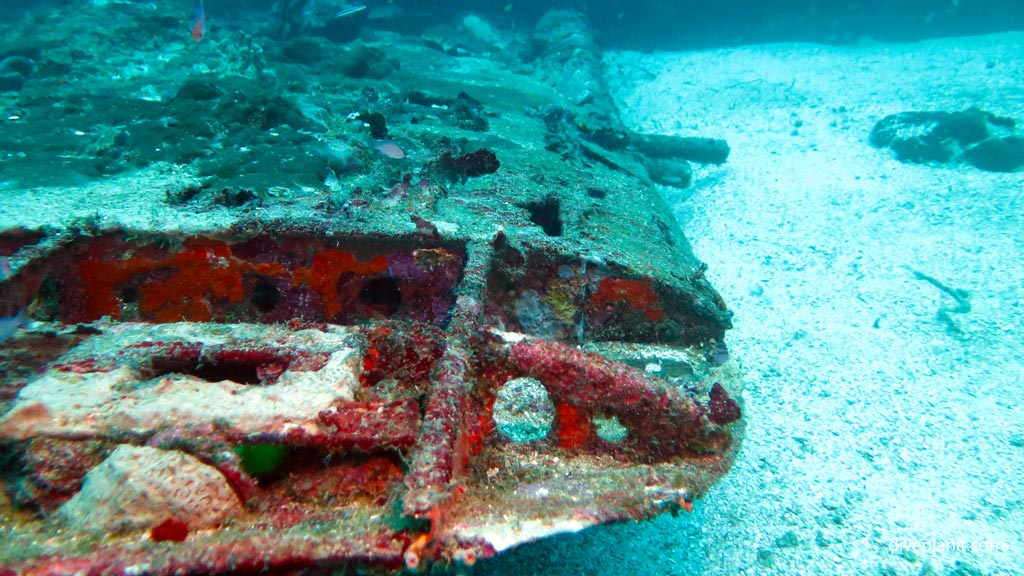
{"x":465,"y":202}
{"x":240,"y":130}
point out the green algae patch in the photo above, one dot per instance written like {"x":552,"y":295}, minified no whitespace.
{"x":261,"y":459}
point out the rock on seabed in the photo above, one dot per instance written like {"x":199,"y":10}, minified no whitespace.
{"x":138,"y":487}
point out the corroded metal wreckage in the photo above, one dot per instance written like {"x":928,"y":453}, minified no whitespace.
{"x":500,"y":355}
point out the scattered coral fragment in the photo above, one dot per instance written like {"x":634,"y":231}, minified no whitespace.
{"x":139,"y":487}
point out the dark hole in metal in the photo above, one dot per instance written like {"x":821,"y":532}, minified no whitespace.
{"x":250,"y":367}
{"x":265,"y":295}
{"x":381,"y":294}
{"x":47,"y":302}
{"x":130,"y":295}
{"x":546,"y":215}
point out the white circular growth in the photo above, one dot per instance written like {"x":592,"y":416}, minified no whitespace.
{"x":523,"y":411}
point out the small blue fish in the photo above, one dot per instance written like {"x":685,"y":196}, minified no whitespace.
{"x":349,"y":10}
{"x":9,"y":324}
{"x":5,"y":268}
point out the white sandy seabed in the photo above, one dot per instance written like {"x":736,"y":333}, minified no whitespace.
{"x":881,"y":441}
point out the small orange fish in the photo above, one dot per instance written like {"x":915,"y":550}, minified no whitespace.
{"x":199,"y":23}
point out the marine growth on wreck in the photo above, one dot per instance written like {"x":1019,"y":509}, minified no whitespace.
{"x":292,"y":300}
